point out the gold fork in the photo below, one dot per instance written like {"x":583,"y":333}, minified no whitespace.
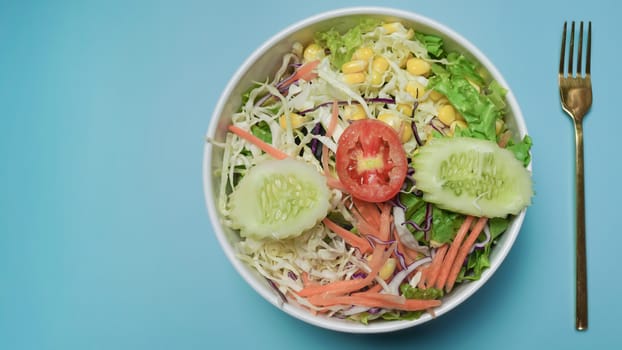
{"x":576,"y":98}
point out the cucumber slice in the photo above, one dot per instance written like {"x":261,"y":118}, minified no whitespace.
{"x":279,"y":199}
{"x":472,"y":176}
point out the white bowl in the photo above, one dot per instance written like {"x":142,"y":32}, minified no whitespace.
{"x":259,"y":65}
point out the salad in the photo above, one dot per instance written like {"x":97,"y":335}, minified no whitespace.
{"x":372,"y":173}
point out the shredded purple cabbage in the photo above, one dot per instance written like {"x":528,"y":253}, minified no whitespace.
{"x":396,"y":201}
{"x":400,"y":258}
{"x":481,"y":245}
{"x":359,"y":275}
{"x":427,"y":223}
{"x":315,"y":143}
{"x":369,"y":100}
{"x":276,"y":289}
{"x":413,"y":125}
{"x":409,"y":175}
{"x":373,"y":240}
{"x":263,"y":100}
{"x":437,"y":129}
{"x":374,"y":310}
{"x":279,"y":85}
{"x":292,"y":275}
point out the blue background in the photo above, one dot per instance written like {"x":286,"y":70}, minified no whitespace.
{"x":104,"y":238}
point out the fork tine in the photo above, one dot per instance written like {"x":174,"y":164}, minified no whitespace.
{"x":571,"y":50}
{"x":561,"y":56}
{"x":589,"y":48}
{"x":580,"y":49}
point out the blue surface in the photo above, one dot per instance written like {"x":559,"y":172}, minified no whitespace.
{"x":104,"y":238}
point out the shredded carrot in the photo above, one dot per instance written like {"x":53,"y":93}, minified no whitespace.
{"x":368,"y":210}
{"x":363,"y":225}
{"x":379,"y":258}
{"x":375,"y":299}
{"x":333,"y":119}
{"x":329,"y":133}
{"x":434,"y":268}
{"x":337,"y":287}
{"x":306,"y":280}
{"x":375,"y":288}
{"x":274,"y":152}
{"x":453,"y":250}
{"x":355,"y":241}
{"x":304,"y":72}
{"x":385,"y":222}
{"x":396,"y":300}
{"x":325,"y":151}
{"x":424,"y":274}
{"x":292,"y":297}
{"x":463,"y":252}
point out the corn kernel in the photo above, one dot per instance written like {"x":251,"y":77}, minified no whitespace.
{"x":363,"y":53}
{"x":313,"y":52}
{"x":402,"y":127}
{"x":377,"y":78}
{"x":415,"y":89}
{"x":435,"y":95}
{"x":354,"y":66}
{"x":417,"y":66}
{"x":392,"y":27}
{"x":295,"y":119}
{"x":354,"y":78}
{"x":405,"y":108}
{"x":380,"y":64}
{"x":354,"y":112}
{"x":447,"y":114}
{"x":386,"y":271}
{"x":499,"y":124}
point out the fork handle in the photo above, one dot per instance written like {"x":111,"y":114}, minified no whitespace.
{"x":581,"y":263}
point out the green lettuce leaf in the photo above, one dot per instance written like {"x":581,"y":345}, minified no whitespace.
{"x":432,"y":43}
{"x":456,"y":81}
{"x":477,"y":262}
{"x":262,"y":131}
{"x":410,"y":292}
{"x":460,"y":66}
{"x":521,"y":149}
{"x":247,"y":94}
{"x":496,"y":93}
{"x":342,"y":46}
{"x":401,"y":315}
{"x":363,"y":317}
{"x":413,"y":204}
{"x":497,"y":226}
{"x":445,"y":224}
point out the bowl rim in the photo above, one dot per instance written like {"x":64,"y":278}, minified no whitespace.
{"x":261,"y":288}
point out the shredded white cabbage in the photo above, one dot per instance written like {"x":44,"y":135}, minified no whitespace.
{"x":319,"y":253}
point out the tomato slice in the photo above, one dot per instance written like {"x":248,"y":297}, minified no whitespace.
{"x":370,"y":161}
